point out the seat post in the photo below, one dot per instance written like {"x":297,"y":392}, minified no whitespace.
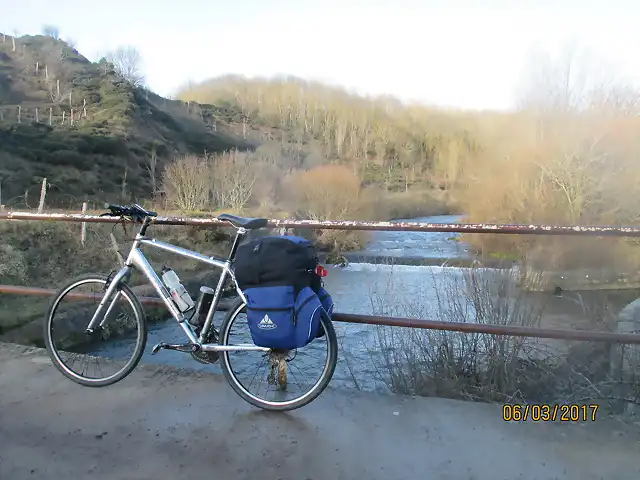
{"x":236,"y":242}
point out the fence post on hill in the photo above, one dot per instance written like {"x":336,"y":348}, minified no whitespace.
{"x":43,"y":194}
{"x":19,"y":112}
{"x":37,"y":117}
{"x":37,"y":66}
{"x":50,"y":115}
{"x":84,"y":107}
{"x":83,"y":233}
{"x":13,"y":39}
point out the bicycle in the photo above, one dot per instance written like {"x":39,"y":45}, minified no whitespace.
{"x":206,"y":346}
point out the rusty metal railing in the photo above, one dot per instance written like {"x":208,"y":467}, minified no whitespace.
{"x":507,"y":330}
{"x":517,"y":229}
{"x":514,"y":229}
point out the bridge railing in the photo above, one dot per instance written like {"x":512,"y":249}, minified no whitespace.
{"x":512,"y":229}
{"x":492,"y":329}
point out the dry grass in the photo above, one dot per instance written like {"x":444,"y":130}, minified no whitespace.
{"x":482,"y":367}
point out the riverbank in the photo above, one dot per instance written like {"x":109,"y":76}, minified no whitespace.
{"x":164,"y":422}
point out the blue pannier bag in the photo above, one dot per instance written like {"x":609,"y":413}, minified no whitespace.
{"x":285,"y":297}
{"x":280,"y":319}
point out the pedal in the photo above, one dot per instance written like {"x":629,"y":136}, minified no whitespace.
{"x":182,"y":347}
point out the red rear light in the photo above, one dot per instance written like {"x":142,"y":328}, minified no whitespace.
{"x":321,"y":271}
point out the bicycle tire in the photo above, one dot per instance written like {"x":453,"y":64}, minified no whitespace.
{"x":236,"y":308}
{"x":141,"y":340}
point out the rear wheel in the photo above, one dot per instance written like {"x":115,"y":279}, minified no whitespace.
{"x":277,"y":372}
{"x":75,"y":353}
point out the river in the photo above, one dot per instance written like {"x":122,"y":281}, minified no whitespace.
{"x":362,"y":286}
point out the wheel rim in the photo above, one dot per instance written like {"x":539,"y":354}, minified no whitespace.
{"x":79,"y":350}
{"x":309,"y":393}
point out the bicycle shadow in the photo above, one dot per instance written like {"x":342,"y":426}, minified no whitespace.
{"x":266,"y":418}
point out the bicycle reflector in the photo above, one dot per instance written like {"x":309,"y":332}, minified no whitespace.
{"x":321,"y":271}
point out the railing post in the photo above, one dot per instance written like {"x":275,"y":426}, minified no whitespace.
{"x":43,"y":194}
{"x":83,"y":234}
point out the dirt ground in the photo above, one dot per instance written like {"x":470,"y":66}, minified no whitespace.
{"x":165,"y":423}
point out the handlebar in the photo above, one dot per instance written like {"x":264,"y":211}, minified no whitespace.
{"x":135,"y":212}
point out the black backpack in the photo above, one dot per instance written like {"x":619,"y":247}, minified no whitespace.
{"x":285,"y":296}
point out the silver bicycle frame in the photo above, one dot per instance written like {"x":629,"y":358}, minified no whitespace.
{"x":136,"y":260}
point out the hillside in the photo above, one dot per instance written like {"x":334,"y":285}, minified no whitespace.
{"x":90,"y":133}
{"x":385,"y":142}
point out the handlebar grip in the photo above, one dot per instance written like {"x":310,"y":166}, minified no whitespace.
{"x":115,"y":210}
{"x":135,"y":211}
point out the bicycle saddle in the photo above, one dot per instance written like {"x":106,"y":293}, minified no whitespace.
{"x":248,"y":223}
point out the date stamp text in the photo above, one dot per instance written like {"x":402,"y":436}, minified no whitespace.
{"x":549,"y":412}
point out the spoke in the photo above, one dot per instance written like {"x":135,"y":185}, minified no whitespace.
{"x":72,"y":346}
{"x":309,"y":357}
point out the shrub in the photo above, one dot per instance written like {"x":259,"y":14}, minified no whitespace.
{"x":328,"y":192}
{"x":485,"y":367}
{"x":13,"y":266}
{"x":187,"y":183}
{"x":450,"y":364}
{"x":234,"y":175}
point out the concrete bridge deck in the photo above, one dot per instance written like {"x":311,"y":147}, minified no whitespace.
{"x":161,"y":423}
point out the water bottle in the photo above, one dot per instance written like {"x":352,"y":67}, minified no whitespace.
{"x":177,"y":291}
{"x":202,"y":306}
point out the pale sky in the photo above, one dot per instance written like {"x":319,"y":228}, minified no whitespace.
{"x":467,"y":54}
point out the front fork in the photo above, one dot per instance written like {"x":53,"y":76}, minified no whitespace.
{"x":123,"y":274}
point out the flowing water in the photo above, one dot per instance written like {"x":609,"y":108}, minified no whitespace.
{"x":369,"y":288}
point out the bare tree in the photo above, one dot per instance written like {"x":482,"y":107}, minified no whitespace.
{"x":233,"y":179}
{"x":151,"y":168}
{"x":126,"y":61}
{"x":569,"y":82}
{"x":187,"y":183}
{"x":51,"y":31}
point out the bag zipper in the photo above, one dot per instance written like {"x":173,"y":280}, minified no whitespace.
{"x":272,"y":309}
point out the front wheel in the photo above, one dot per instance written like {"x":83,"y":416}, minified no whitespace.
{"x":122,"y":337}
{"x":277,"y":373}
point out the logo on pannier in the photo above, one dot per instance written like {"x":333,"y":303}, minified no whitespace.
{"x":266,"y":323}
